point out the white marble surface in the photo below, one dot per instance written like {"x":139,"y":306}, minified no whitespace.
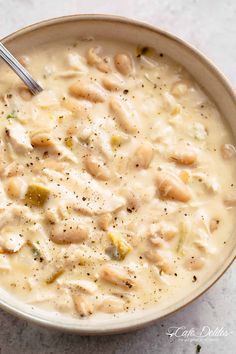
{"x":209,"y":25}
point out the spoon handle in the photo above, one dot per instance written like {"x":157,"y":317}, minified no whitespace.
{"x":33,"y":86}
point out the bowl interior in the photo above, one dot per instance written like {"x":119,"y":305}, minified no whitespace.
{"x":206,"y":75}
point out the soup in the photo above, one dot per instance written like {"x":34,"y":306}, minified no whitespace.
{"x":114,"y":191}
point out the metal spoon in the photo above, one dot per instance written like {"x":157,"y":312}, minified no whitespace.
{"x":33,"y":86}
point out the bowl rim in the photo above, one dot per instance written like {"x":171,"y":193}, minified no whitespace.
{"x":126,"y":327}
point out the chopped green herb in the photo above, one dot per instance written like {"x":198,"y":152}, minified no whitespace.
{"x":12,"y":115}
{"x":35,"y":251}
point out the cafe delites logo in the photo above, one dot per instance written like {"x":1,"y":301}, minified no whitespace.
{"x":197,"y":334}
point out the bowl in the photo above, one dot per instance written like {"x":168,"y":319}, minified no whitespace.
{"x":204,"y":72}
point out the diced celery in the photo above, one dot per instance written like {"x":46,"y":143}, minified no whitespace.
{"x":36,"y":195}
{"x":120,"y":244}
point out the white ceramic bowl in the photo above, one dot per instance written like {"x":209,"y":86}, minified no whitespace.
{"x":205,"y":73}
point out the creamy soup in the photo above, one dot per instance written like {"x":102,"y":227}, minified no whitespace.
{"x":117,"y":181}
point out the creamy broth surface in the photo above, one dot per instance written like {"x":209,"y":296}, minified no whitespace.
{"x":117,"y":181}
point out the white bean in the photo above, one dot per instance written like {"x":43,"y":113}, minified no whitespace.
{"x":124,"y":64}
{"x":126,"y":120}
{"x":68,"y":231}
{"x":112,"y":83}
{"x":144,"y":155}
{"x":42,"y":139}
{"x":184,"y":157}
{"x":90,"y":91}
{"x":97,"y":168}
{"x":171,"y":186}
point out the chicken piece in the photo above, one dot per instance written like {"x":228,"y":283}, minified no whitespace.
{"x":13,"y":169}
{"x":74,"y":61}
{"x":96,"y":199}
{"x":10,"y":242}
{"x":162,"y":258}
{"x":16,"y":187}
{"x":164,"y":230}
{"x":4,"y":262}
{"x":18,"y":137}
{"x":82,"y":285}
{"x":46,"y":99}
{"x":117,"y":275}
{"x":83,"y":305}
{"x":111,"y":304}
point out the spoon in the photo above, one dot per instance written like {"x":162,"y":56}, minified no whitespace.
{"x":33,"y":86}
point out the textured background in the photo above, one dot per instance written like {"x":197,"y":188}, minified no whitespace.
{"x":209,"y":25}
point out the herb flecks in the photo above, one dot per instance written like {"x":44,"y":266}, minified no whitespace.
{"x":12,"y":115}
